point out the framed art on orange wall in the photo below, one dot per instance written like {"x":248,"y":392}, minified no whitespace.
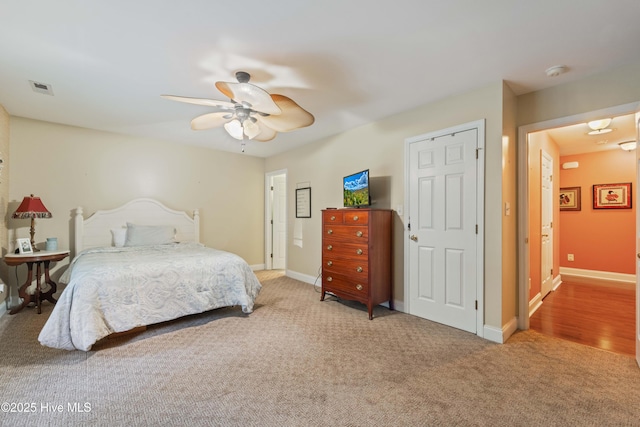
{"x":570,"y":199}
{"x":612,"y":196}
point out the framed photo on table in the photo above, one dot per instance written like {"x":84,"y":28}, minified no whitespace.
{"x":24,"y":246}
{"x":612,"y":196}
{"x":570,"y":199}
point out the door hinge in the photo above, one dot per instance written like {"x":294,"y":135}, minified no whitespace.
{"x":476,"y":228}
{"x":477,"y":155}
{"x":271,"y":222}
{"x":272,"y":188}
{"x":552,"y":272}
{"x":476,"y":304}
{"x":271,"y":255}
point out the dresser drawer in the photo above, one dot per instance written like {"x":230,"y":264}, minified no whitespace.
{"x":358,"y":270}
{"x":338,"y":283}
{"x":333,"y":216}
{"x":356,"y":217}
{"x":345,"y":232}
{"x":335,"y":249}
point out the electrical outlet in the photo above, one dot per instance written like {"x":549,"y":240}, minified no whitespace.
{"x":570,"y":257}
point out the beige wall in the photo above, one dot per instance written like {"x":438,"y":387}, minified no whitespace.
{"x":4,"y":192}
{"x":70,"y":167}
{"x":618,"y":87}
{"x":379,"y":147}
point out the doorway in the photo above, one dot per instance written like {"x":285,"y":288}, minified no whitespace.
{"x":275,"y":220}
{"x":529,"y":243}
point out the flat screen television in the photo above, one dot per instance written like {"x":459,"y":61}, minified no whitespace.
{"x":356,"y":189}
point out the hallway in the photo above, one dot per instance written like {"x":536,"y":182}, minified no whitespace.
{"x":600,"y":315}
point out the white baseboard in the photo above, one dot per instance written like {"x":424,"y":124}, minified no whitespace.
{"x":500,"y":335}
{"x":599,"y":275}
{"x":535,"y":303}
{"x":301,"y":277}
{"x":257,"y":267}
{"x":557,"y":281}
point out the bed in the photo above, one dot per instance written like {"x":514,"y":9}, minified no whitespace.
{"x":138,"y":265}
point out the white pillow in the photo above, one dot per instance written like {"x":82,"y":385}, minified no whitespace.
{"x":119,"y":236}
{"x":142,"y":235}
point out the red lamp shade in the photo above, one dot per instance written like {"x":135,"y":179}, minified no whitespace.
{"x":31,"y":207}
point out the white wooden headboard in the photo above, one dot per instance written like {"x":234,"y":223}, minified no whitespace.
{"x":95,"y":231}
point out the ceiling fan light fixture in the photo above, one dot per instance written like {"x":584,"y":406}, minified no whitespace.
{"x":628,"y":145}
{"x":234,"y":128}
{"x":250,"y":129}
{"x":599,"y":124}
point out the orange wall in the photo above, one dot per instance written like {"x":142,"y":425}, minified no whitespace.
{"x":600,"y":239}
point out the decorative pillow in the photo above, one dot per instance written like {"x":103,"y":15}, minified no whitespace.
{"x":141,"y":235}
{"x":119,"y":236}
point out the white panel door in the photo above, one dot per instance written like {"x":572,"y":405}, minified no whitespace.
{"x":546,"y":216}
{"x":443,"y":235}
{"x":279,"y":249}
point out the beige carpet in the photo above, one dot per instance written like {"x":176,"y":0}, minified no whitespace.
{"x":297,"y":361}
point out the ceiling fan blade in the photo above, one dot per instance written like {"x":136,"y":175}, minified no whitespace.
{"x":266,"y":133}
{"x":257,"y":98}
{"x":201,"y":101}
{"x":293,"y":116}
{"x":210,"y":120}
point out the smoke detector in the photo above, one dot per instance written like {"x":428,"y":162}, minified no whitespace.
{"x":556,"y":70}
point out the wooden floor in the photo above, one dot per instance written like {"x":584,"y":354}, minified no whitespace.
{"x":598,"y":315}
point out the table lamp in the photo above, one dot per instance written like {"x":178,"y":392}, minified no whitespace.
{"x":32,"y":207}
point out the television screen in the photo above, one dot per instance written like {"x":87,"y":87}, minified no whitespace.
{"x":356,"y":189}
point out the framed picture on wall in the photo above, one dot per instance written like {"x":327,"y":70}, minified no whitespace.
{"x":570,"y":199}
{"x":612,"y":196}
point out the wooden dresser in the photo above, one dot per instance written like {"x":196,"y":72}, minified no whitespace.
{"x":356,"y":255}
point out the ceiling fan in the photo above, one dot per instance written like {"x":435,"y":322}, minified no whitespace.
{"x":252,"y":112}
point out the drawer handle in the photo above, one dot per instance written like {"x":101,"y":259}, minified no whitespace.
{"x":329,"y":231}
{"x":333,"y":218}
{"x":359,"y":234}
{"x":329,"y":279}
{"x":359,"y":287}
{"x":329,"y":263}
{"x":359,"y":269}
{"x":359,"y":252}
{"x":355,"y":217}
{"x":329,"y":247}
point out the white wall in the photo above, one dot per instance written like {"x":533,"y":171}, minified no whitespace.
{"x":69,"y":167}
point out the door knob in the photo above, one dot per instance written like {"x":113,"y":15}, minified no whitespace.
{"x":414,"y":237}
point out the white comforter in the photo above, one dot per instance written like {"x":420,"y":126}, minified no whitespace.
{"x":117,"y":289}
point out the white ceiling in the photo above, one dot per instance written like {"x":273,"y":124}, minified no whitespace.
{"x":348,"y":62}
{"x":575,"y":139}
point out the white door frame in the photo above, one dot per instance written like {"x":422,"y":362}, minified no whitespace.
{"x":523,"y":191}
{"x":480,"y":126}
{"x":268,"y":217}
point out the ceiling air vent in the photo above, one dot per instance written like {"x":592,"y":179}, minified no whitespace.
{"x":43,"y":88}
